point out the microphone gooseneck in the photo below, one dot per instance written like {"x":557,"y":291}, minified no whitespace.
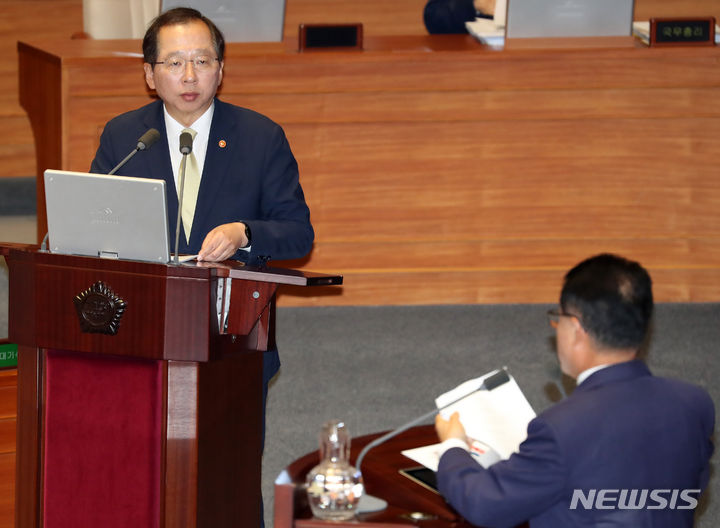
{"x":186,"y":141}
{"x":144,"y":142}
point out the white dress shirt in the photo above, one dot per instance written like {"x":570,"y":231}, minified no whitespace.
{"x":174,"y":129}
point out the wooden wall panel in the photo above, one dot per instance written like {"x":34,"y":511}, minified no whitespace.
{"x":498,"y":254}
{"x":449,"y":173}
{"x":460,"y":171}
{"x":475,"y":106}
{"x":17,"y":150}
{"x":379,"y":17}
{"x":490,"y":286}
{"x":7,"y":490}
{"x":22,"y":19}
{"x":645,"y":9}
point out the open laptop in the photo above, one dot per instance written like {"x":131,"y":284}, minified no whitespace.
{"x":568,"y":18}
{"x":240,"y":20}
{"x":106,"y":216}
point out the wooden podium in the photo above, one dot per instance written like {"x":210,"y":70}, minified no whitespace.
{"x":140,"y":389}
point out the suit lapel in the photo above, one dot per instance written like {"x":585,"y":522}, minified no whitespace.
{"x":159,"y":166}
{"x":157,"y":158}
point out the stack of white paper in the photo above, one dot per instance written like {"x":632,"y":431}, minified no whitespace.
{"x":497,"y":418}
{"x":487,"y":31}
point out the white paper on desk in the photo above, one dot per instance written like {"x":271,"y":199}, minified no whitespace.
{"x":498,"y":418}
{"x":487,"y":31}
{"x":428,"y":456}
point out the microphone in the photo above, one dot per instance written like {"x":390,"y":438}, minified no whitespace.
{"x":368,"y":503}
{"x":186,"y":143}
{"x":148,"y":139}
{"x":145,"y":142}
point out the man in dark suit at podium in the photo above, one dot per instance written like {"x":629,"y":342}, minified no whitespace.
{"x":247,"y":203}
{"x":626,"y":449}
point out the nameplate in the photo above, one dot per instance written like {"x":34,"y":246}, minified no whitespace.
{"x":330,"y":36}
{"x":682,"y":31}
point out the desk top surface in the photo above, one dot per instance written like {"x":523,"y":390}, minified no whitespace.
{"x":82,"y":49}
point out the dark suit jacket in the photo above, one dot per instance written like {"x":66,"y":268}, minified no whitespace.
{"x":621,"y":429}
{"x":253,"y":178}
{"x":449,"y":16}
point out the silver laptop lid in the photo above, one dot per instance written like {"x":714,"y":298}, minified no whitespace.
{"x":240,"y":20}
{"x":106,"y":216}
{"x":569,"y":18}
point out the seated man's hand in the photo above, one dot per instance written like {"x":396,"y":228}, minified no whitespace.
{"x":451,"y":428}
{"x":222,"y":242}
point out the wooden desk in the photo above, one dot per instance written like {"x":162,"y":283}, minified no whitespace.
{"x":380,"y":473}
{"x":438,"y":171}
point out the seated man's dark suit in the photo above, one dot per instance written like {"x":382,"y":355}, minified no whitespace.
{"x":621,"y":429}
{"x":250,"y":176}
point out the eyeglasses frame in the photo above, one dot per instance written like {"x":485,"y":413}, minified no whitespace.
{"x":184,"y":65}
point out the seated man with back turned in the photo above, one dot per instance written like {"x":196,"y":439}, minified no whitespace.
{"x":626,"y":449}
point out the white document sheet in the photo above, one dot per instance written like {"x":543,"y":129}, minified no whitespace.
{"x":496,"y":420}
{"x":487,"y":31}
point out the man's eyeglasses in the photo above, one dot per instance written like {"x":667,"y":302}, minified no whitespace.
{"x":555,"y":315}
{"x":177,"y":64}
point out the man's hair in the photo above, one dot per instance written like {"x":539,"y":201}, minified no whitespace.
{"x":612,"y":297}
{"x":172,"y":17}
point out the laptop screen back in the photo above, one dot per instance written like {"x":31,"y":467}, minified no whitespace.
{"x":569,"y":18}
{"x":106,"y":216}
